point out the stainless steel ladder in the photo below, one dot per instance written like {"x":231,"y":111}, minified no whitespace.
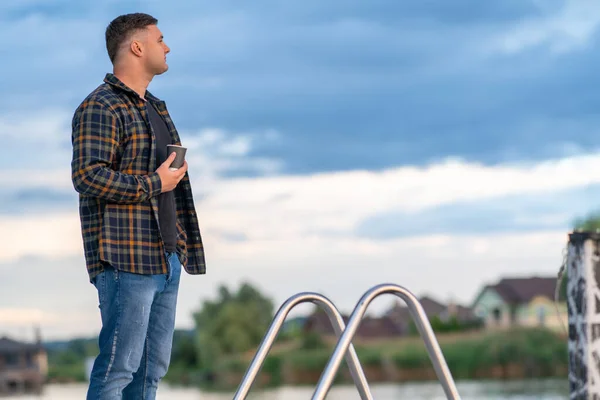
{"x":344,"y":345}
{"x":336,"y":320}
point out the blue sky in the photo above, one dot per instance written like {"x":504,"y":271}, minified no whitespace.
{"x":324,"y":136}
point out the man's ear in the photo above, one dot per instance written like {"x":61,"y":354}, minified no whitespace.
{"x":136,"y":47}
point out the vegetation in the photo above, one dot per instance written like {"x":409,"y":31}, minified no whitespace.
{"x":450,"y":325}
{"x":518,"y":349}
{"x":233,"y":324}
{"x":66,"y":361}
{"x":217,"y":353}
{"x":591,"y":222}
{"x":495,"y":355}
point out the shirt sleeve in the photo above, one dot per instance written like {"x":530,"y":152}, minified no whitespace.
{"x":95,"y":140}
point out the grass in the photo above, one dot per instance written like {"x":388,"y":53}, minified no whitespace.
{"x":517,"y":353}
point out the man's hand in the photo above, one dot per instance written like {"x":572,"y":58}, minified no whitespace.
{"x":170,"y":179}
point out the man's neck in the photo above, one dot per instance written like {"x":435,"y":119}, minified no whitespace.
{"x":137,"y":82}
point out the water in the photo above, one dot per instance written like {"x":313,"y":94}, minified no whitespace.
{"x":519,"y":390}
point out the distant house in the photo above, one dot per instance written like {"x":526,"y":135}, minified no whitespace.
{"x":400,"y":313}
{"x":369,"y":328}
{"x":525,"y":302}
{"x":395,"y":322}
{"x":23,"y":366}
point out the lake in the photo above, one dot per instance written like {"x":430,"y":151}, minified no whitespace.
{"x":514,"y":390}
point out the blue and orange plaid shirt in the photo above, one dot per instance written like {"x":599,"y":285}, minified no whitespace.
{"x":114,"y":171}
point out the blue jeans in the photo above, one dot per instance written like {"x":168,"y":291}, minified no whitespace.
{"x":138,"y":320}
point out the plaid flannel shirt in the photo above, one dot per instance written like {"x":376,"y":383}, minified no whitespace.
{"x":114,"y":171}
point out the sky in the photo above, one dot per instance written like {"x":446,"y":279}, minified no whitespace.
{"x":332,"y":146}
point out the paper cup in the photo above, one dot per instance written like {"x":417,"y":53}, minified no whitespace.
{"x":179,"y":158}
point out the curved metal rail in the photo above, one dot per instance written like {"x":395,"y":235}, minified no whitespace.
{"x":338,"y":325}
{"x":422,"y":322}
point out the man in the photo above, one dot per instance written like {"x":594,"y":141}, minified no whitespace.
{"x":139,"y":225}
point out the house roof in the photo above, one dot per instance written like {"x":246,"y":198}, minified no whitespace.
{"x":10,"y":346}
{"x":523,"y":290}
{"x":431,"y":306}
{"x":373,"y":327}
{"x":369,"y":326}
{"x":464,"y":313}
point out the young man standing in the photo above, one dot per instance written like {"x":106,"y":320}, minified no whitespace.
{"x":139,"y":224}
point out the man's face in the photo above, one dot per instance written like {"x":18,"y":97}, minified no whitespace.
{"x":155,"y":51}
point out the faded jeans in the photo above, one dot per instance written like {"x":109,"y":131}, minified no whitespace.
{"x":138,"y":319}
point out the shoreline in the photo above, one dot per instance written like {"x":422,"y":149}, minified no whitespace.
{"x":477,"y":356}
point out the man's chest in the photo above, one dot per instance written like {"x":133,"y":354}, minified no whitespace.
{"x":161,"y":131}
{"x":144,"y":134}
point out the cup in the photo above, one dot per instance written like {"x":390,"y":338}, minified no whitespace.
{"x":179,"y":157}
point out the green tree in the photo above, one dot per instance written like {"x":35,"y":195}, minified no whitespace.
{"x":232,"y":324}
{"x":589,"y":223}
{"x":184,"y":349}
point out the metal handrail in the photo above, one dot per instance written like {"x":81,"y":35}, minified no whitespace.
{"x":337,"y":321}
{"x":422,"y":322}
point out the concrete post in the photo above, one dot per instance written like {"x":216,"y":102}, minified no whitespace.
{"x":583,"y":303}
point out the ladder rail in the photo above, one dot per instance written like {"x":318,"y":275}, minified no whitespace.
{"x":424,"y":327}
{"x":339,"y":327}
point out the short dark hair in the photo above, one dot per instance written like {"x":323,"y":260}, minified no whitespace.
{"x":122,"y":27}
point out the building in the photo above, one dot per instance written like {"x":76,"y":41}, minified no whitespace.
{"x":434,"y":310}
{"x":369,"y":328}
{"x":520,"y":302}
{"x":396,"y":322}
{"x":23,"y":366}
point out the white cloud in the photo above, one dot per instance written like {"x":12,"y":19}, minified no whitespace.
{"x":44,"y":288}
{"x":44,"y":141}
{"x":59,"y":179}
{"x":285,"y":233}
{"x":25,"y":316}
{"x":35,"y":146}
{"x":282,"y":206}
{"x":314,"y":207}
{"x":291,"y":234}
{"x":20,"y":322}
{"x":571,"y":27}
{"x":342,"y":269}
{"x":41,"y":127}
{"x":213,"y":152}
{"x":38,"y":32}
{"x":50,"y":236}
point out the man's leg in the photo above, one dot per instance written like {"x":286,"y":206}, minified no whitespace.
{"x":125,"y":304}
{"x":157,"y":351}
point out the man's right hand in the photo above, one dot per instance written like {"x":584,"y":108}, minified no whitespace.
{"x":170,"y":179}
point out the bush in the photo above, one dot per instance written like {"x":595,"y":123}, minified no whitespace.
{"x":539,"y":350}
{"x":272,"y":366}
{"x":309,"y":360}
{"x":411,"y":357}
{"x":233,"y":364}
{"x":540,"y":353}
{"x":369,"y":356}
{"x":67,"y":372}
{"x":312,"y":341}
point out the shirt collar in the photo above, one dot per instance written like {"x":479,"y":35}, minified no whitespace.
{"x":111,"y":79}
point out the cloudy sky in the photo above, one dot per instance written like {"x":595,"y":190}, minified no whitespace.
{"x":332,"y":145}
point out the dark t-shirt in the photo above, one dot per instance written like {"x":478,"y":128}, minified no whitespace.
{"x":167,"y":214}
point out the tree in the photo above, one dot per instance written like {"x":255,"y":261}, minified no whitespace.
{"x":184,"y":350}
{"x":233,"y":324}
{"x":589,"y":223}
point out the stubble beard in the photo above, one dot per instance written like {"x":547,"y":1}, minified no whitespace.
{"x":159,"y":69}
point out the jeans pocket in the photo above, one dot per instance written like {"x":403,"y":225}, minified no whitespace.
{"x":174,"y":266}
